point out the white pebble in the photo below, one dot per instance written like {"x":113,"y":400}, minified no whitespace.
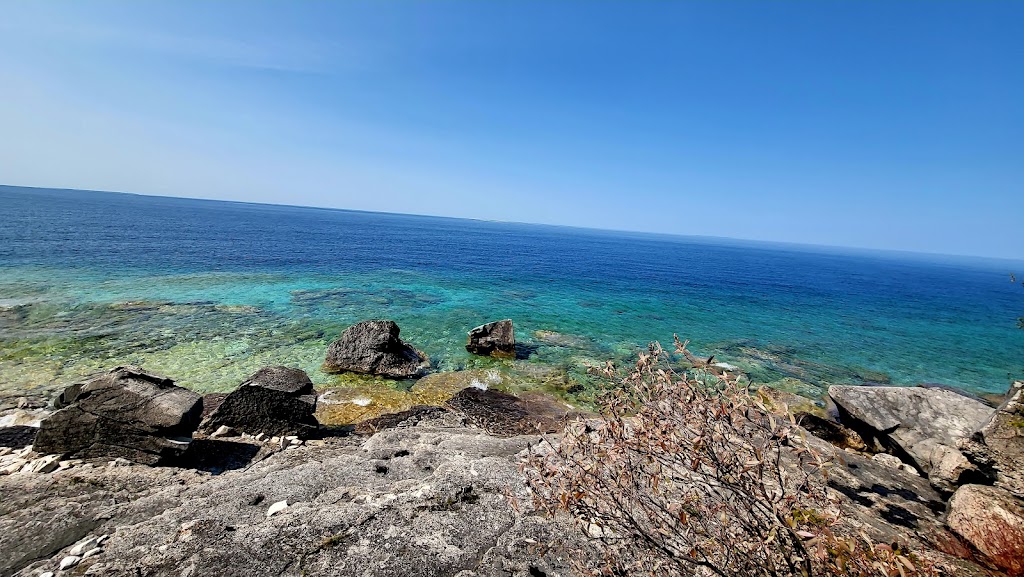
{"x":91,"y":552}
{"x":82,"y":547}
{"x":47,"y":574}
{"x":102,"y":539}
{"x":223,"y":431}
{"x":69,"y":562}
{"x":277,"y":508}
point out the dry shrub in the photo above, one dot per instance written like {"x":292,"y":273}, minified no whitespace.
{"x":687,"y":473}
{"x":848,"y":556}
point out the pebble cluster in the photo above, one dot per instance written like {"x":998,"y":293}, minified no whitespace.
{"x":285,"y":442}
{"x":88,"y":547}
{"x":25,"y":461}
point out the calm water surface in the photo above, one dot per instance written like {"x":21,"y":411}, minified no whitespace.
{"x":207,"y":292}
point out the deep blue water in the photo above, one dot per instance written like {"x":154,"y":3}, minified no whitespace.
{"x":216,"y":289}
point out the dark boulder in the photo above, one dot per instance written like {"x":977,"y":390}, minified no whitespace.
{"x":373,"y":347}
{"x":496,"y":339}
{"x":127,"y":412}
{"x":276,"y":401}
{"x":508,"y":415}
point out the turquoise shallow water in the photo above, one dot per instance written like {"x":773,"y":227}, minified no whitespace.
{"x":207,"y":292}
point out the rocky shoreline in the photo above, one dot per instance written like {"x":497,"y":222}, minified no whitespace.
{"x":249,"y":484}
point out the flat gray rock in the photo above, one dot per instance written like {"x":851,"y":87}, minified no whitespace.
{"x":428,"y":497}
{"x":424,"y":500}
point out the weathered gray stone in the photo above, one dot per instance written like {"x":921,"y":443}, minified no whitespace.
{"x":373,"y":347}
{"x":920,"y":425}
{"x":45,"y":464}
{"x":991,"y":519}
{"x":997,"y":447}
{"x":497,"y":338}
{"x":424,"y":500}
{"x":432,"y":497}
{"x":274,"y":401}
{"x":127,"y":412}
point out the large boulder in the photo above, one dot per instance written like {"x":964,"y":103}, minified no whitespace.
{"x":922,"y":426}
{"x":127,"y":412}
{"x":992,"y":521}
{"x":497,"y":339}
{"x":373,"y":347}
{"x":997,"y":447}
{"x":275,"y":401}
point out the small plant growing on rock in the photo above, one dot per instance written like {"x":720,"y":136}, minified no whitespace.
{"x":685,"y":472}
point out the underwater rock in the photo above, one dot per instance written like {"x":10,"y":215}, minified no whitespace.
{"x":921,"y":425}
{"x":497,"y":339}
{"x":373,"y":347}
{"x":997,"y":447}
{"x":557,"y":339}
{"x":436,"y":388}
{"x":276,"y":401}
{"x":127,"y":412}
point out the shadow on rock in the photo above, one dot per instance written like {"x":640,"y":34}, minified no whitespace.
{"x":216,"y":455}
{"x":18,"y":436}
{"x":524,"y":351}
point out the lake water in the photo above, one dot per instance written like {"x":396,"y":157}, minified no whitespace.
{"x":207,"y":292}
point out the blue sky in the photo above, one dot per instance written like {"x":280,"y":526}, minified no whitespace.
{"x":877,"y":124}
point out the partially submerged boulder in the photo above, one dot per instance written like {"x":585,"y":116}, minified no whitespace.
{"x":128,"y":412}
{"x":920,"y":425}
{"x":992,"y":521}
{"x":276,"y":401}
{"x":373,"y":347}
{"x":997,"y":447}
{"x":497,"y":339}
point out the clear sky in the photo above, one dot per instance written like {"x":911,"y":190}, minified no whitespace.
{"x":878,"y":124}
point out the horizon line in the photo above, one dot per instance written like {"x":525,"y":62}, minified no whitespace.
{"x":831,"y":247}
